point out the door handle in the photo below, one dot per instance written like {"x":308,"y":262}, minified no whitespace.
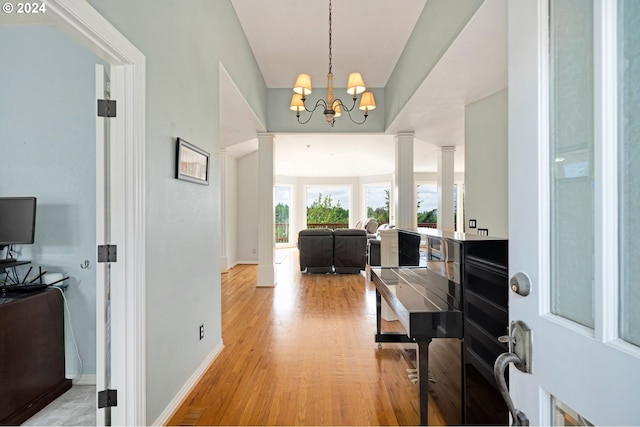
{"x":520,"y":355}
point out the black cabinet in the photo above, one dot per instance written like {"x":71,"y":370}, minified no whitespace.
{"x":32,"y":371}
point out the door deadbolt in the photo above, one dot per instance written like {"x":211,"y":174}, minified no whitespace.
{"x":520,"y":284}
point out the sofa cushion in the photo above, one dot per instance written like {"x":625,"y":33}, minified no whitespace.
{"x":371,"y":225}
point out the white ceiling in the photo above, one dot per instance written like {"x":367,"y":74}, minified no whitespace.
{"x":291,"y":36}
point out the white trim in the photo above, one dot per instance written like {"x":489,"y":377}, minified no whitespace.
{"x":544,"y":209}
{"x":84,"y":379}
{"x":85,"y":24}
{"x":184,"y":391}
{"x":244,"y":263}
{"x":606,"y":171}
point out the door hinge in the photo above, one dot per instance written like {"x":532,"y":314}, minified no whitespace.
{"x":106,"y":108}
{"x":107,"y":398}
{"x":107,"y":253}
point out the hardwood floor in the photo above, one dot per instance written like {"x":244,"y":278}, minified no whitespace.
{"x":302,"y":353}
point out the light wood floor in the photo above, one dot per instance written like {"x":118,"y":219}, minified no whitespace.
{"x":302,"y":353}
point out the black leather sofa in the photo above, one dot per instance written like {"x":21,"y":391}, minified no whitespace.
{"x":323,"y":250}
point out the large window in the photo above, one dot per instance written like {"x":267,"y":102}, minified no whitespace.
{"x":328,"y":207}
{"x":282,"y":202}
{"x":377,"y":202}
{"x":427,"y":205}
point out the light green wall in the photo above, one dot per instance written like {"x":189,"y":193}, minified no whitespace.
{"x":438,"y":26}
{"x":48,"y":150}
{"x":486,"y":196}
{"x":184,"y":42}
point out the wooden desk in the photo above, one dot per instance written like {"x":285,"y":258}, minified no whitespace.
{"x":32,"y":368}
{"x":428,"y":306}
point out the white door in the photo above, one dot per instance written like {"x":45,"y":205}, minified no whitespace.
{"x":574,"y":181}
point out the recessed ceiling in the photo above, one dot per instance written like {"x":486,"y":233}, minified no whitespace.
{"x":291,"y":36}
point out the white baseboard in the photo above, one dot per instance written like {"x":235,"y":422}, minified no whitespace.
{"x":246,"y":262}
{"x":85,"y":379}
{"x":175,"y":403}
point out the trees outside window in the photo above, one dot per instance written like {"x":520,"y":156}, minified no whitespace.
{"x":282,"y":202}
{"x":377,"y":202}
{"x":427,"y":205}
{"x":326,"y":207}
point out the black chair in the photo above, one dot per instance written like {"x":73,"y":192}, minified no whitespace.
{"x":316,"y":250}
{"x":349,"y":250}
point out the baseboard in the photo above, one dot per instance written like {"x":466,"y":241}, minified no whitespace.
{"x":85,"y":379}
{"x":175,"y":403}
{"x":246,"y":262}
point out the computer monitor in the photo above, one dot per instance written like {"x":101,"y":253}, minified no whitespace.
{"x":17,"y":220}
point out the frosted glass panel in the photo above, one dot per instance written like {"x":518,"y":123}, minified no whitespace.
{"x":629,"y":137}
{"x":571,"y":138}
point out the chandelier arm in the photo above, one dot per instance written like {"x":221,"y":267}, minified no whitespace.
{"x":344,"y":107}
{"x":366,"y":114}
{"x":319,"y":103}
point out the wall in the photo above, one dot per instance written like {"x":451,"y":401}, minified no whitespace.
{"x":47,"y":150}
{"x":230,"y":204}
{"x":486,"y":168}
{"x":184,"y":44}
{"x":247,"y":227}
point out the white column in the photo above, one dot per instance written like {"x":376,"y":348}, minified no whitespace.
{"x":266,"y":271}
{"x":445,"y":188}
{"x":460,"y":207}
{"x":224,"y":261}
{"x":405,"y":194}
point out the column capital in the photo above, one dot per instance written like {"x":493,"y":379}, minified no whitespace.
{"x":265,"y":135}
{"x":448,"y":148}
{"x":404,"y":136}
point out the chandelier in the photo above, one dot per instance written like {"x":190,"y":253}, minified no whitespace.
{"x":331,"y":105}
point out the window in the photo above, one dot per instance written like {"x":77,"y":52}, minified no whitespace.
{"x":328,"y":207}
{"x":282,"y":202}
{"x":377,"y":202}
{"x":427,"y":205}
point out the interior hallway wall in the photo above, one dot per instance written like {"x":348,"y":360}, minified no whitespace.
{"x":486,"y":165}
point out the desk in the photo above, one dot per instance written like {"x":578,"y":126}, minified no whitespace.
{"x":428,"y":306}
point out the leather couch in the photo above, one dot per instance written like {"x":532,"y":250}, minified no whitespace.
{"x":323,"y":250}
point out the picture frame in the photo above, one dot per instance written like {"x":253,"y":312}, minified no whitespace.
{"x":192,"y":163}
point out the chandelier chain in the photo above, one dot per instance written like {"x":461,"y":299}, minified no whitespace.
{"x":330,"y":36}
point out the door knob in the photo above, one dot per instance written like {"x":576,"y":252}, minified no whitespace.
{"x":520,"y":355}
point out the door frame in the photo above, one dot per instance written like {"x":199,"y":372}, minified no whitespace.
{"x":128,"y":67}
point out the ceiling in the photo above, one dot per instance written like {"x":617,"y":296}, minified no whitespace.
{"x":291,"y":36}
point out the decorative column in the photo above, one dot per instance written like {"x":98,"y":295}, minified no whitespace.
{"x":445,"y":188}
{"x":224,"y":261}
{"x":266,"y":270}
{"x":405,"y":194}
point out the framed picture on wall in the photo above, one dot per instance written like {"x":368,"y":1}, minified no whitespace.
{"x":192,"y":163}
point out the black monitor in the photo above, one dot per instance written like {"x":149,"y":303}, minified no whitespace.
{"x":17,"y":220}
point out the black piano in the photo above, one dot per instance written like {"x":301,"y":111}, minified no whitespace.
{"x":459,"y":296}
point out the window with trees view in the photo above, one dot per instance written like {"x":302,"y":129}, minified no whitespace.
{"x":328,"y":207}
{"x":282,"y":202}
{"x":427,"y":205}
{"x":377,"y":202}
